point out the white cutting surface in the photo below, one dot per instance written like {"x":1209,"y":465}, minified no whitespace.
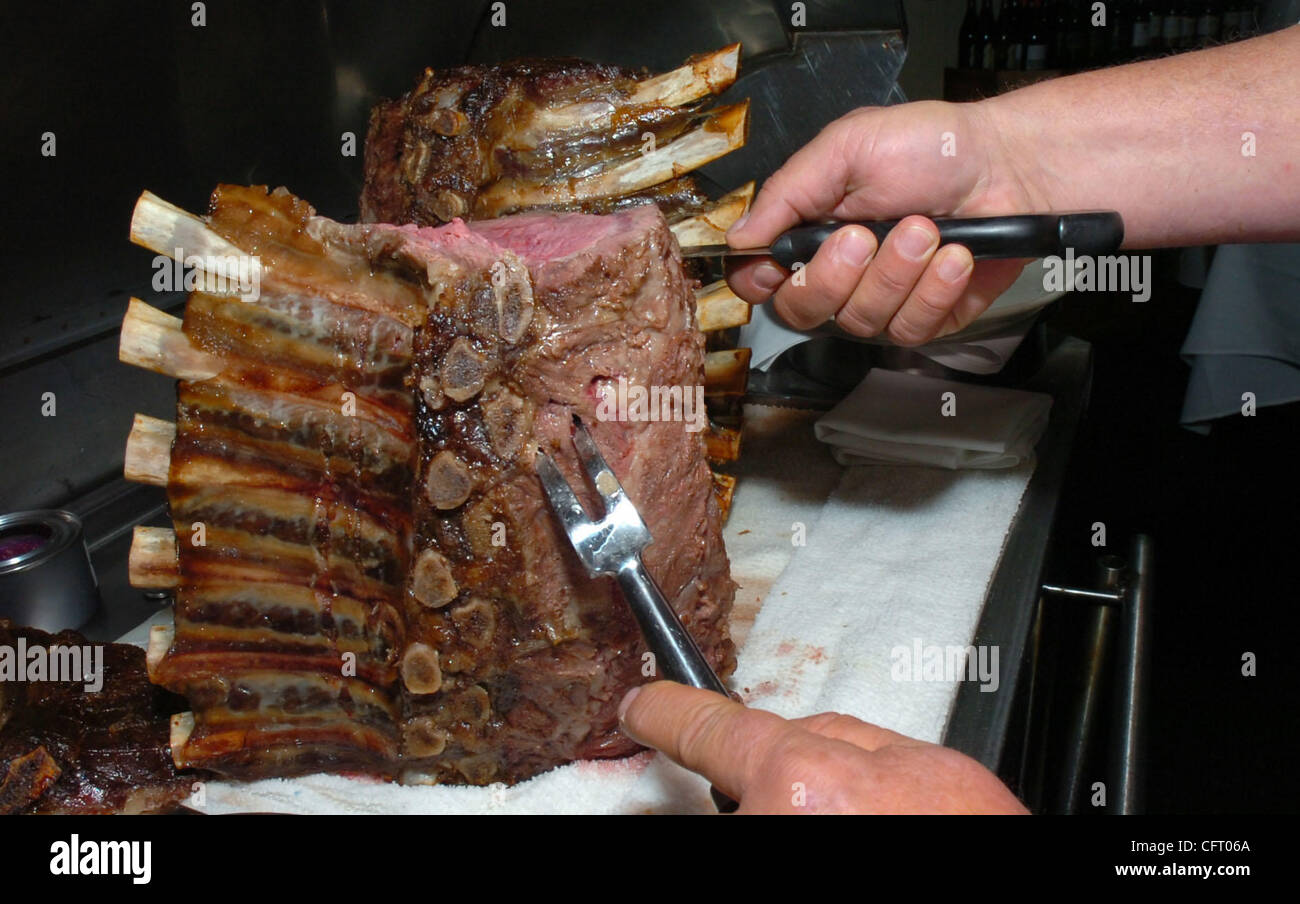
{"x":893,"y":555}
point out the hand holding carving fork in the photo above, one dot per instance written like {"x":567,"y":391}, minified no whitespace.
{"x":612,"y":546}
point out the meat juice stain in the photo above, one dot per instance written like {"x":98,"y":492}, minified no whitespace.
{"x":763,"y":689}
{"x":365,"y":777}
{"x":804,"y":654}
{"x":635,"y":764}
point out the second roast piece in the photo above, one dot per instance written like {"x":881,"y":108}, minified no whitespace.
{"x":68,"y":749}
{"x":481,"y":141}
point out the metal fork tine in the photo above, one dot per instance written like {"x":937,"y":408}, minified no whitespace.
{"x":614,"y":541}
{"x":562,"y":498}
{"x":602,"y":475}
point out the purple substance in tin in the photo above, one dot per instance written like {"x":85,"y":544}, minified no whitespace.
{"x":20,"y":544}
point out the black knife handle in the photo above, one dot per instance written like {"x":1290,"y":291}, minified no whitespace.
{"x":1023,"y":235}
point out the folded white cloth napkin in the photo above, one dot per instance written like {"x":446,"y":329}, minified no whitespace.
{"x":898,"y":418}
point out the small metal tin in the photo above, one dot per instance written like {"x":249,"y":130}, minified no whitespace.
{"x":46,"y":579}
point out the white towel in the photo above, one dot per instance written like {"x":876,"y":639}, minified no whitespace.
{"x":898,"y":418}
{"x":899,"y":559}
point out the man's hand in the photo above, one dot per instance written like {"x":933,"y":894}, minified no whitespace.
{"x":828,"y":763}
{"x":1193,"y":149}
{"x":882,"y":163}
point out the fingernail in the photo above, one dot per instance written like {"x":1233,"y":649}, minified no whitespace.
{"x":954,"y":266}
{"x":855,"y":248}
{"x":739,"y":224}
{"x":627,"y":702}
{"x":768,"y":276}
{"x":916,"y":242}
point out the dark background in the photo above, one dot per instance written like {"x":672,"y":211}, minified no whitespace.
{"x":1222,"y":512}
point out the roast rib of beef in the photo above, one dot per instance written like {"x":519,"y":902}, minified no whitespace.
{"x":367,"y":576}
{"x":482,"y":141}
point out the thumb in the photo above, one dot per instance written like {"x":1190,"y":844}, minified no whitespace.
{"x":703,"y":731}
{"x":808,"y":187}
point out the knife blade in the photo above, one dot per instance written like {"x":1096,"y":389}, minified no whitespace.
{"x":1095,"y":232}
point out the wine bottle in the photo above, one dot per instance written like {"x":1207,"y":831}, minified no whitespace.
{"x":1171,"y":33}
{"x":988,"y":36}
{"x":1141,"y":34}
{"x":1155,"y":27}
{"x":1076,"y":41}
{"x":1248,"y":20}
{"x":1013,"y":34}
{"x":1121,"y":32}
{"x":968,"y":39}
{"x":1098,"y":35}
{"x":1207,"y":25}
{"x":1035,"y":37}
{"x":1187,"y":26}
{"x":1059,"y":51}
{"x":1000,"y":36}
{"x":1230,"y":23}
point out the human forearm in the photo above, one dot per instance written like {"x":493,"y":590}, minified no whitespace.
{"x":1162,"y":142}
{"x":1202,"y":148}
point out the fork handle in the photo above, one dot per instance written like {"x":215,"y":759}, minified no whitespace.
{"x":676,"y":654}
{"x":673,"y":647}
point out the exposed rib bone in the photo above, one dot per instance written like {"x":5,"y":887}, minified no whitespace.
{"x":153,"y":563}
{"x":724,"y":487}
{"x":710,"y":226}
{"x":178,"y":234}
{"x":721,"y":444}
{"x":160,"y":641}
{"x":721,"y":132}
{"x":152,"y":339}
{"x":148,"y":450}
{"x":719,"y":308}
{"x":163,"y":227}
{"x":709,"y":73}
{"x":182,"y":726}
{"x":726,"y":373}
{"x":744,"y":193}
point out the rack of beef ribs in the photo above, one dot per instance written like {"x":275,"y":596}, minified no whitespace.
{"x":482,"y":141}
{"x":367,"y":577}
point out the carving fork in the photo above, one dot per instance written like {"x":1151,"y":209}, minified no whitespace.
{"x":612,"y":546}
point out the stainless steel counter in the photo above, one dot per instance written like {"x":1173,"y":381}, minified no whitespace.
{"x":981,"y":724}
